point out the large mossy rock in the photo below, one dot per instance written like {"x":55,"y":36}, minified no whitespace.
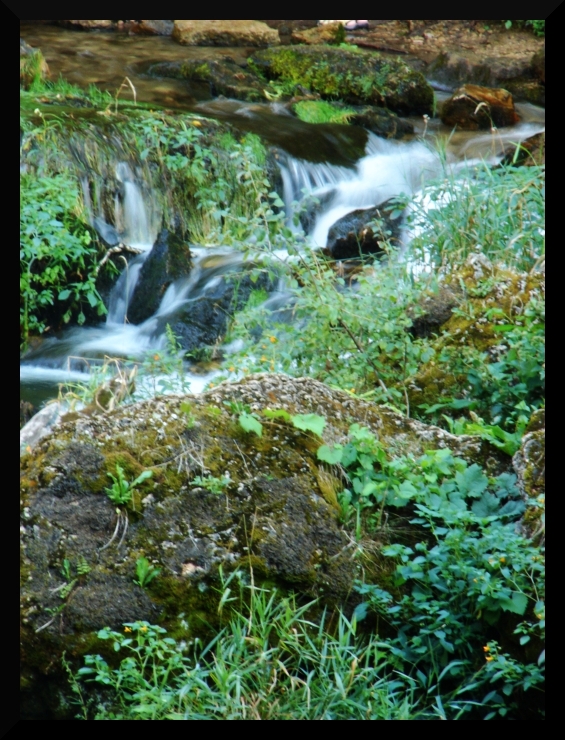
{"x":277,"y":516}
{"x":224,"y":33}
{"x":357,"y":77}
{"x":473,"y":107}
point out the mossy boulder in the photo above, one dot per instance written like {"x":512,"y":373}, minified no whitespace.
{"x":224,"y":33}
{"x":277,"y":515}
{"x":224,"y":77}
{"x":357,"y":77}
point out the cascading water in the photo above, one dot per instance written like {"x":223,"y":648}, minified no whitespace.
{"x":388,"y":168}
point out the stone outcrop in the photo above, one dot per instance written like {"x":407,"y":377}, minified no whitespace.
{"x":224,"y":33}
{"x":473,"y":107}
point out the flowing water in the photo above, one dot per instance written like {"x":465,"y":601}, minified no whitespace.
{"x":343,"y":167}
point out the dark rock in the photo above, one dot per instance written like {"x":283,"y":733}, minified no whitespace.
{"x":357,"y":77}
{"x":204,"y":321}
{"x":529,"y":153}
{"x":224,"y":76}
{"x":354,"y":235}
{"x":472,"y":107}
{"x":169,"y":260}
{"x":381,"y":122}
{"x":153,"y":28}
{"x":437,"y":309}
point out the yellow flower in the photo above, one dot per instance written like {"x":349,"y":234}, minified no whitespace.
{"x":196,"y":123}
{"x":489,"y":658}
{"x":353,"y":390}
{"x":502,"y":560}
{"x":486,"y":649}
{"x":272,"y":339}
{"x":231,"y":369}
{"x":156,"y":357}
{"x":475,"y":580}
{"x":143,"y":629}
{"x":127,"y":629}
{"x":263,"y":359}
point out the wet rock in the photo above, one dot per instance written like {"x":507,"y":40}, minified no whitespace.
{"x":472,"y":107}
{"x":381,"y":122}
{"x":224,"y":76}
{"x":204,"y":321}
{"x":169,"y":260}
{"x":529,"y":153}
{"x":328,"y":33}
{"x":224,"y":33}
{"x":363,"y":232}
{"x":153,"y":28}
{"x":356,"y":77}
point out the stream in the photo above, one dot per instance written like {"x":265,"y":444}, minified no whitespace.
{"x":345,"y":167}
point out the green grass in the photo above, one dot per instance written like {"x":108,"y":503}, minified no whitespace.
{"x":321,"y":111}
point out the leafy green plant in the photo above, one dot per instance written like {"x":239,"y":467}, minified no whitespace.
{"x":538,"y":27}
{"x":121,"y":490}
{"x":145,"y":572}
{"x":211,"y":483}
{"x":57,"y":256}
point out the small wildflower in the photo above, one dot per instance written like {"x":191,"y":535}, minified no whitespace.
{"x":143,"y":629}
{"x":127,"y":629}
{"x":156,"y":357}
{"x":475,"y":580}
{"x":263,"y":359}
{"x":486,"y":649}
{"x":196,"y":123}
{"x":353,"y":390}
{"x":272,"y":340}
{"x":232,"y":369}
{"x":489,"y":658}
{"x":502,"y":560}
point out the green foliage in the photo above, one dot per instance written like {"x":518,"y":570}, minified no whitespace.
{"x":270,"y":661}
{"x":121,"y":490}
{"x":145,"y":572}
{"x":250,"y":423}
{"x":57,"y":255}
{"x":450,"y":589}
{"x":321,"y":111}
{"x":497,"y":212}
{"x":212,"y":484}
{"x":538,"y":27}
